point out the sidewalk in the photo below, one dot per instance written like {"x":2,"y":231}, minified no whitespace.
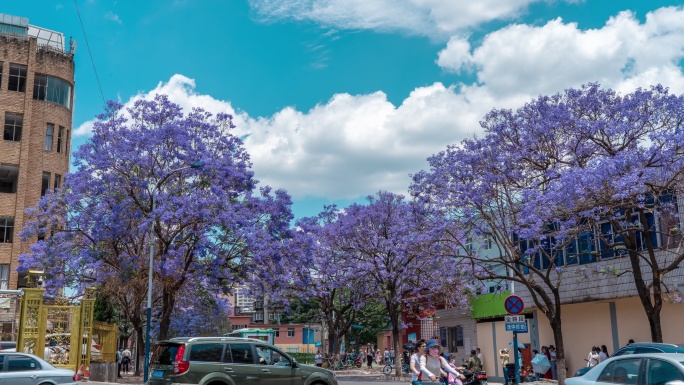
{"x":125,"y":379}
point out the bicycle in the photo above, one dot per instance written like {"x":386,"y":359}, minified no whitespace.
{"x":389,"y":368}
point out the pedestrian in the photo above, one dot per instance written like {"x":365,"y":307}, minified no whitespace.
{"x":503,"y":355}
{"x":603,"y":354}
{"x":126,"y":360}
{"x":392,"y":356}
{"x":479,"y":355}
{"x":378,"y":357}
{"x":414,"y":362}
{"x":118,"y":362}
{"x":552,"y":361}
{"x":474,"y":363}
{"x":386,"y":355}
{"x":431,"y":364}
{"x":547,"y":375}
{"x":369,"y":355}
{"x":593,"y":357}
{"x":318,"y":359}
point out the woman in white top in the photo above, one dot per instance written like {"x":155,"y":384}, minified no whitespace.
{"x":593,"y":358}
{"x":431,"y":363}
{"x":414,"y":362}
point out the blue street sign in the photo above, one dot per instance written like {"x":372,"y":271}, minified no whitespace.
{"x":518,"y":327}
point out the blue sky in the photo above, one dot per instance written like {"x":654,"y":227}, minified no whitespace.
{"x":341,"y":98}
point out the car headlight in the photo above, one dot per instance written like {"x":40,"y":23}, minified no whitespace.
{"x":332,"y":374}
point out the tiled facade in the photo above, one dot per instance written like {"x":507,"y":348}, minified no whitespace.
{"x":32,"y":154}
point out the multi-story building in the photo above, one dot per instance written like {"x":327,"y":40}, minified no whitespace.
{"x":36,"y":103}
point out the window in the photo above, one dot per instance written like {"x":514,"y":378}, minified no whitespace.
{"x":274,"y":316}
{"x":239,"y":354}
{"x":0,"y":72}
{"x":277,"y":332}
{"x":52,"y":89}
{"x":290,"y":332}
{"x":21,"y":364}
{"x":6,"y":229}
{"x":469,"y":246}
{"x":17,"y":78}
{"x":49,"y":135}
{"x":39,"y":87}
{"x":206,"y":352}
{"x":13,"y":125}
{"x":45,"y":184}
{"x":164,"y":354}
{"x":66,"y":144}
{"x":621,"y":371}
{"x":661,"y":372}
{"x":60,"y":138}
{"x":4,"y":276}
{"x":58,"y":181}
{"x":258,"y":316}
{"x":9,"y":176}
{"x":487,"y":244}
{"x":270,"y":356}
{"x":238,"y":327}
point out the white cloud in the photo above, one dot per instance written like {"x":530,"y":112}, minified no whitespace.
{"x":355,"y":145}
{"x":416,"y":17}
{"x":529,"y":60}
{"x":350,"y":146}
{"x":113,"y":17}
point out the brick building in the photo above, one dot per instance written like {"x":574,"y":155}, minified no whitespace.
{"x":36,"y":103}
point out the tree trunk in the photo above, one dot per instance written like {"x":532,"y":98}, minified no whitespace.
{"x":395,"y":346}
{"x":168,"y":302}
{"x":140,"y":345}
{"x":560,"y":348}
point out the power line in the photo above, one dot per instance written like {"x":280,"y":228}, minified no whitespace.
{"x":90,"y":53}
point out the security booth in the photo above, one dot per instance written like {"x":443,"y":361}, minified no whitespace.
{"x":266,"y":335}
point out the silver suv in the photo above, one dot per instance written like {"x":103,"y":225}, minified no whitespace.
{"x":229,"y":361}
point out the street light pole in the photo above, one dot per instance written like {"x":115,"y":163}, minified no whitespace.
{"x":196,"y":164}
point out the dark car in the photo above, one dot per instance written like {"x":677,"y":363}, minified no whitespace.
{"x":639,"y":348}
{"x":229,"y":361}
{"x":4,"y":345}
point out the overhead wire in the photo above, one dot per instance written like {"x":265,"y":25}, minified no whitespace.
{"x":90,"y":53}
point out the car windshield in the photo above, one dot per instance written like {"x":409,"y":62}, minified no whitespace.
{"x":164,"y":354}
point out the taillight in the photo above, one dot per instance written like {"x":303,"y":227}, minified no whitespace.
{"x":481,"y":376}
{"x":96,"y":346}
{"x":180,"y":366}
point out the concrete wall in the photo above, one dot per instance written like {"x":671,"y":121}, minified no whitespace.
{"x":610,"y":323}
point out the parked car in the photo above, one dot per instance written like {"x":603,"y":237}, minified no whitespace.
{"x":638,"y":348}
{"x":228,"y":361}
{"x":22,"y":368}
{"x":56,"y":350}
{"x":641,"y":369}
{"x":4,"y":345}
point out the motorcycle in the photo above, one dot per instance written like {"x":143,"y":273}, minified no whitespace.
{"x":474,"y":378}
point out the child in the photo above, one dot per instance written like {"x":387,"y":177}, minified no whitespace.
{"x":452,"y":379}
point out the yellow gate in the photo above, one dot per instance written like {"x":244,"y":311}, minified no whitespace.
{"x":57,"y":331}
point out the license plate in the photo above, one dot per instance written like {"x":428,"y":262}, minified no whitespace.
{"x":158,"y":374}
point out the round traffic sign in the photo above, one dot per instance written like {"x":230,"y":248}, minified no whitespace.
{"x":514,"y":304}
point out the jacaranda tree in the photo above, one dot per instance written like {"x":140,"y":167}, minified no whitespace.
{"x":186,"y":179}
{"x":393,"y":247}
{"x":324,"y":273}
{"x":564,"y":181}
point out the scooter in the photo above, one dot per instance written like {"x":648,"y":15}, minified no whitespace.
{"x":474,"y":378}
